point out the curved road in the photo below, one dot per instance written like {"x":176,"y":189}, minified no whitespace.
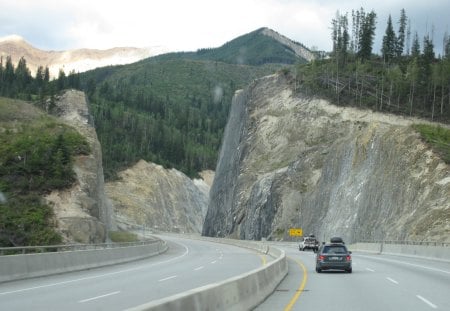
{"x":186,"y":265}
{"x":378,"y":282}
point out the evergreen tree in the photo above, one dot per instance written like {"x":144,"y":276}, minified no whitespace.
{"x":388,"y":49}
{"x":61,"y":83}
{"x":9,"y":71}
{"x":415,"y":47}
{"x":47,"y":75}
{"x":367,"y":34}
{"x":401,"y":34}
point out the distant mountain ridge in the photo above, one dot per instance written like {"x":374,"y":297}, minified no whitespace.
{"x":259,"y":47}
{"x":78,"y":60}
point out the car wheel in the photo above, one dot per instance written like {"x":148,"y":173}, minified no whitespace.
{"x":349,"y":270}
{"x":318,"y":270}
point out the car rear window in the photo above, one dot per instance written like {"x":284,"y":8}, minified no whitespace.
{"x":334,"y":249}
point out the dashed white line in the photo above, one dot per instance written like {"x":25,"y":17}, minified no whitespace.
{"x":407,"y":263}
{"x":98,"y":297}
{"x":168,"y":278}
{"x":198,"y":268}
{"x":371,"y":270}
{"x":392,"y":280}
{"x":213,"y":262}
{"x":427,"y":302}
{"x":95,"y":276}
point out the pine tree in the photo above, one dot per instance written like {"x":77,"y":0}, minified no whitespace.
{"x":367,"y":34}
{"x":388,"y":49}
{"x":415,"y":47}
{"x":401,"y":34}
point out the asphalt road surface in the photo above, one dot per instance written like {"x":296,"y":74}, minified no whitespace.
{"x":378,"y":282}
{"x":186,"y":265}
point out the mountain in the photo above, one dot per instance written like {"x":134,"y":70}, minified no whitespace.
{"x":173,"y":108}
{"x":292,"y":161}
{"x":262,"y":46}
{"x":78,"y":60}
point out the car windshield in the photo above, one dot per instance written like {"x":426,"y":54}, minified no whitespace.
{"x":334,"y":249}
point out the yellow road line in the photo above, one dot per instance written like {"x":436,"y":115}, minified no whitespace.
{"x":300,"y":288}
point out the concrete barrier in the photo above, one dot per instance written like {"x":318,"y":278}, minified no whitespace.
{"x":16,"y":267}
{"x":243,"y":292}
{"x":422,"y":251}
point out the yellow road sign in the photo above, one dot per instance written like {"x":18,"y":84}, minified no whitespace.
{"x":296,"y":232}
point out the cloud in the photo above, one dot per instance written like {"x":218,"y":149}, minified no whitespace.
{"x":190,"y":25}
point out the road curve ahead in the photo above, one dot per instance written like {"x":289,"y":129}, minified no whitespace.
{"x":378,"y":282}
{"x":187,"y":264}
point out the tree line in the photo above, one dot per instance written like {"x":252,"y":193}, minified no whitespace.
{"x":406,"y":77}
{"x":18,"y":82}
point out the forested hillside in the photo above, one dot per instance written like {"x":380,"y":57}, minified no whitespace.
{"x":171,"y":109}
{"x":409,"y":77}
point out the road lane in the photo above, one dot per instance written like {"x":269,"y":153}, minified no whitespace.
{"x":127,"y":285}
{"x":378,"y":282}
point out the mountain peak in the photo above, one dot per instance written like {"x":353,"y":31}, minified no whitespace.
{"x":15,"y":38}
{"x":299,"y":49}
{"x":12,"y":38}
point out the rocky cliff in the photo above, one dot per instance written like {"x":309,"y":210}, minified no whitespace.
{"x":289,"y":162}
{"x":82,"y":212}
{"x":159,"y":199}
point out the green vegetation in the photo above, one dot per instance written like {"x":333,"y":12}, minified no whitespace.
{"x":438,"y":138}
{"x":36,"y":156}
{"x":19,"y":83}
{"x":171,"y":112}
{"x":122,"y":236}
{"x":410,"y":82}
{"x":172,"y":109}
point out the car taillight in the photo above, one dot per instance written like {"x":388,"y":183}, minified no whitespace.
{"x":348,"y":258}
{"x":321,"y":257}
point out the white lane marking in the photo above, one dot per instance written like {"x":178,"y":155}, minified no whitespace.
{"x":427,"y":302}
{"x":371,"y":270}
{"x":168,"y":278}
{"x":96,"y":276}
{"x":198,"y":268}
{"x":213,"y":262}
{"x":98,"y":297}
{"x":392,"y":280}
{"x":407,"y":263}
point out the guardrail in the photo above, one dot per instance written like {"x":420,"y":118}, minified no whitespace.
{"x":427,"y":250}
{"x":67,"y":248}
{"x":425,"y":243}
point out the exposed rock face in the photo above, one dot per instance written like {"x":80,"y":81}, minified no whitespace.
{"x":289,"y":162}
{"x":82,"y":212}
{"x":159,"y":199}
{"x":299,"y":49}
{"x":73,"y":60}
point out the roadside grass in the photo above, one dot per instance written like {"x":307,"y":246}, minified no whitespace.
{"x":122,"y":236}
{"x":437,"y":137}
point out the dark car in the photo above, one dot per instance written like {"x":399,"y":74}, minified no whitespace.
{"x":334,"y":256}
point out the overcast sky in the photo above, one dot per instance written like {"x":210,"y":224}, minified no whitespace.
{"x":187,"y":25}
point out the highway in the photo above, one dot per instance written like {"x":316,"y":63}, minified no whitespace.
{"x":378,"y":282}
{"x":186,"y":265}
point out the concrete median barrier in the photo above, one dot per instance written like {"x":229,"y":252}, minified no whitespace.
{"x":243,"y":292}
{"x":433,"y":252}
{"x":16,"y":267}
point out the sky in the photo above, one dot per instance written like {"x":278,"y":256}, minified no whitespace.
{"x":187,"y":25}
